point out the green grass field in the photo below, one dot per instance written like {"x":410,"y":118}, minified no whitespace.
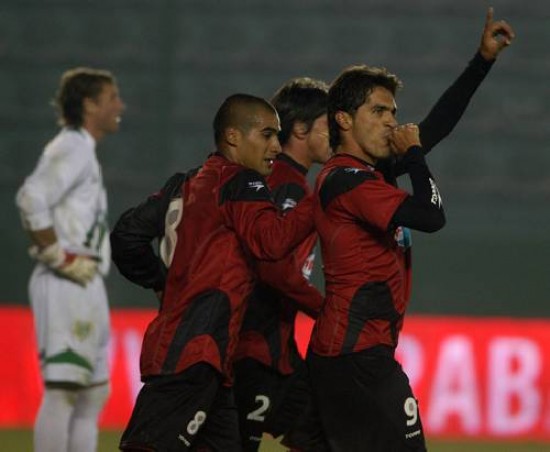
{"x":21,"y":441}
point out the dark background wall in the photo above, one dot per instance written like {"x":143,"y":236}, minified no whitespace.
{"x":177,"y":60}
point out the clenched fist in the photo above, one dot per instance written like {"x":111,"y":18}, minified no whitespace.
{"x":403,"y":137}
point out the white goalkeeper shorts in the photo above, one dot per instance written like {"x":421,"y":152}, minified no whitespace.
{"x":72,"y":328}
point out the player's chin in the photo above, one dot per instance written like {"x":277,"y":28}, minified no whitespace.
{"x":387,"y":150}
{"x":114,"y":127}
{"x":265,"y":170}
{"x":268,"y":166}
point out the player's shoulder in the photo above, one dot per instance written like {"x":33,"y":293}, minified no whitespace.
{"x":347,"y":176}
{"x":71,"y":142}
{"x":174,"y":186}
{"x":282,"y":175}
{"x":243,"y":184}
{"x":339,"y":180}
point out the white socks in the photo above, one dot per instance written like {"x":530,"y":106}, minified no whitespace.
{"x":83,"y":427}
{"x":67,"y":420}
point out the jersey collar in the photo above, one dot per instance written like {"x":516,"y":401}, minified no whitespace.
{"x":343,"y":155}
{"x":289,"y":160}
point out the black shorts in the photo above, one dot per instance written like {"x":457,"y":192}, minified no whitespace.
{"x":365,"y":402}
{"x":269,"y":402}
{"x":187,"y":412}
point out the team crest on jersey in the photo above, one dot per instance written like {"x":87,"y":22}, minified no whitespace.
{"x":82,"y":329}
{"x":403,"y":237}
{"x":256,"y":185}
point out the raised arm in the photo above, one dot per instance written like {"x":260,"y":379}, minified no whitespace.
{"x":445,"y":114}
{"x":449,"y":108}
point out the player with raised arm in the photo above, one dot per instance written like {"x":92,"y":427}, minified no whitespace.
{"x":363,"y":395}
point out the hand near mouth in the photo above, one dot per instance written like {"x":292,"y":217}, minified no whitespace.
{"x":403,"y":137}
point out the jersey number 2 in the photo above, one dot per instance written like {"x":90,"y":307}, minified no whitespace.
{"x":259,"y":413}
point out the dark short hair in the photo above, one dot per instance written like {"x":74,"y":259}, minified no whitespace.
{"x":237,"y":111}
{"x":351,"y":89}
{"x":76,"y":85}
{"x":301,"y":99}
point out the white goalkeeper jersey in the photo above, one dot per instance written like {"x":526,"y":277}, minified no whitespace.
{"x":66,"y":191}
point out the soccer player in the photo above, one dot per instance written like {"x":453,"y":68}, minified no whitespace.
{"x":273,"y":384}
{"x":267,"y":356}
{"x":228,"y":219}
{"x":363,"y":220}
{"x":271,"y":387}
{"x":63,"y":205}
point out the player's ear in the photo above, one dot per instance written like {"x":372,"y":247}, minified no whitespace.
{"x":343,"y":119}
{"x":232,"y":136}
{"x":300,"y":130}
{"x":89,"y":105}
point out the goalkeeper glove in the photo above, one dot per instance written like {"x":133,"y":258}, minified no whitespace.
{"x":77,"y":268}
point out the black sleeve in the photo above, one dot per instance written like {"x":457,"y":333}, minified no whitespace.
{"x":245,"y":186}
{"x":445,"y":114}
{"x":286,"y":196}
{"x":134,"y":232}
{"x":423,"y":211}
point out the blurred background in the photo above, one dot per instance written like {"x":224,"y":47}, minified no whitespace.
{"x":176,"y":60}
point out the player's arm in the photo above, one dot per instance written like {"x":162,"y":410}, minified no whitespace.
{"x":423,"y":210}
{"x":446,"y":113}
{"x":287,"y":196}
{"x":363,"y":196}
{"x":286,"y":275}
{"x":249,"y":210}
{"x":56,"y":173}
{"x":134,"y":233}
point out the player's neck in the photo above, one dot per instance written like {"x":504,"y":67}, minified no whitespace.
{"x":96,"y":133}
{"x":298,"y":154}
{"x":356,"y":152}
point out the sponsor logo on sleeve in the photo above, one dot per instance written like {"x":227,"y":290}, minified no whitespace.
{"x":256,"y":185}
{"x":353,"y":170}
{"x":289,"y":203}
{"x":436,"y":197}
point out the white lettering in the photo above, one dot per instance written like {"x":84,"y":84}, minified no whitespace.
{"x":124,"y":348}
{"x":455,"y":391}
{"x":436,"y":197}
{"x":514,"y":403}
{"x":413,"y":434}
{"x":411,"y":356}
{"x":131,"y":341}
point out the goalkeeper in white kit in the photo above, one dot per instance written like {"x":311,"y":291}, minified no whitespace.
{"x":63,"y":205}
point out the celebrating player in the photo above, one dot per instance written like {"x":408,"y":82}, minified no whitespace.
{"x":228,"y":219}
{"x":271,"y":385}
{"x":363,"y":220}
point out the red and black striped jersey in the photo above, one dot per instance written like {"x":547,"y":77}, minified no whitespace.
{"x":367,"y":269}
{"x":228,"y":220}
{"x":267,"y":333}
{"x":366,"y":261}
{"x":137,"y":228}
